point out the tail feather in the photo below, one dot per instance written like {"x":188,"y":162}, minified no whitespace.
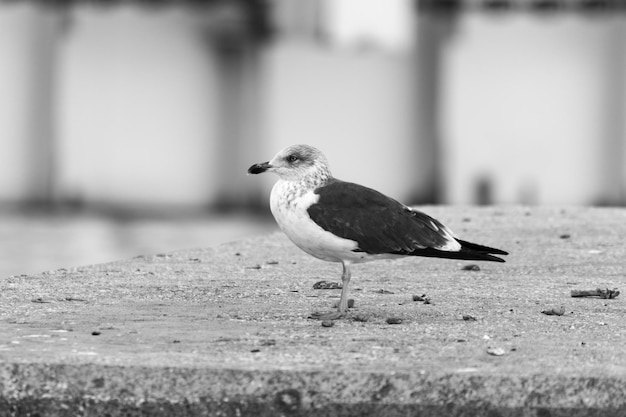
{"x":480,"y":248}
{"x":469,"y":251}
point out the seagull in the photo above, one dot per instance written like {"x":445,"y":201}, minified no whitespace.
{"x":339,"y":221}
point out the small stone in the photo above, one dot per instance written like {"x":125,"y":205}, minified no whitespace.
{"x":419,"y":297}
{"x":327,"y":285}
{"x":467,"y":317}
{"x":554,"y":311}
{"x":361,"y":318}
{"x":497,"y":351}
{"x":565,"y":236}
{"x":328,"y":323}
{"x":96,"y":333}
{"x":394,"y":320}
{"x":471,"y":267}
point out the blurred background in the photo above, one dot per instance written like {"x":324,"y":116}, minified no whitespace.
{"x":126,"y":127}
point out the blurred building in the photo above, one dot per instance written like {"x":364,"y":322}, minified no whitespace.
{"x":143,"y":104}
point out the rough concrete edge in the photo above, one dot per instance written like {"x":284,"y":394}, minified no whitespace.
{"x":71,"y":389}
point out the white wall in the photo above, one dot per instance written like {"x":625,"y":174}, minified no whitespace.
{"x":24,"y":127}
{"x":138,"y":106}
{"x":528,"y":101}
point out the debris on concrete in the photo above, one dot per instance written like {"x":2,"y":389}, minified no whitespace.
{"x":598,"y":292}
{"x":327,"y":285}
{"x":471,"y":267}
{"x":424,"y":298}
{"x":496,"y":351}
{"x":394,"y":320}
{"x":467,"y":317}
{"x":328,"y":323}
{"x":361,"y":317}
{"x":555,"y":311}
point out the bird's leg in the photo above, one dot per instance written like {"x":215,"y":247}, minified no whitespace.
{"x":345,"y":279}
{"x":342,"y":308}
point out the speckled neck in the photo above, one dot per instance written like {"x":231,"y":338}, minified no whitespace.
{"x":315,"y":180}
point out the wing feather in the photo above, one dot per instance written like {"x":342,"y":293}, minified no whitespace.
{"x":377,"y":223}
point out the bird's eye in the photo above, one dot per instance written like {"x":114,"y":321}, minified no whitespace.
{"x":292,"y":158}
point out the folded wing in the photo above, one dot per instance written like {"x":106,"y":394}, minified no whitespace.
{"x":382,"y":225}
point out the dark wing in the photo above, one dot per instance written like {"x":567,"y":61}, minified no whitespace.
{"x":378,"y":224}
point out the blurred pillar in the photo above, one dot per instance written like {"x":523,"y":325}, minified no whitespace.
{"x":616,"y":150}
{"x":435,"y":23}
{"x":28,"y":41}
{"x":236,"y":34}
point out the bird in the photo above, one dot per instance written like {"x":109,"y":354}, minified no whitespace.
{"x":348,"y":223}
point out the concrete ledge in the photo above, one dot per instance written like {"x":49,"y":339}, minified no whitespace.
{"x":224,"y":331}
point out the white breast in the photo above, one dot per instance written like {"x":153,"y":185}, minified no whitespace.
{"x":289,"y":206}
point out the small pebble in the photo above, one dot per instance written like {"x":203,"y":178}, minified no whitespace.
{"x":361,"y":318}
{"x":496,"y":351}
{"x":565,"y":236}
{"x":554,"y":311}
{"x":327,"y":285}
{"x":96,"y":333}
{"x":471,"y":267}
{"x":467,"y":317}
{"x":419,"y":297}
{"x":394,"y":320}
{"x":328,"y":323}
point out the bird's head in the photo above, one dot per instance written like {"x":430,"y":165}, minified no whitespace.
{"x":294,"y":163}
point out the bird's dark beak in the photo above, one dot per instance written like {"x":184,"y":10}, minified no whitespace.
{"x":259,"y":168}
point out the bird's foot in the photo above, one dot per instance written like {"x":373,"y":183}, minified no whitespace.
{"x":333,"y":315}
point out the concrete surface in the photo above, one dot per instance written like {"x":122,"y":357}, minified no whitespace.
{"x":224,"y":330}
